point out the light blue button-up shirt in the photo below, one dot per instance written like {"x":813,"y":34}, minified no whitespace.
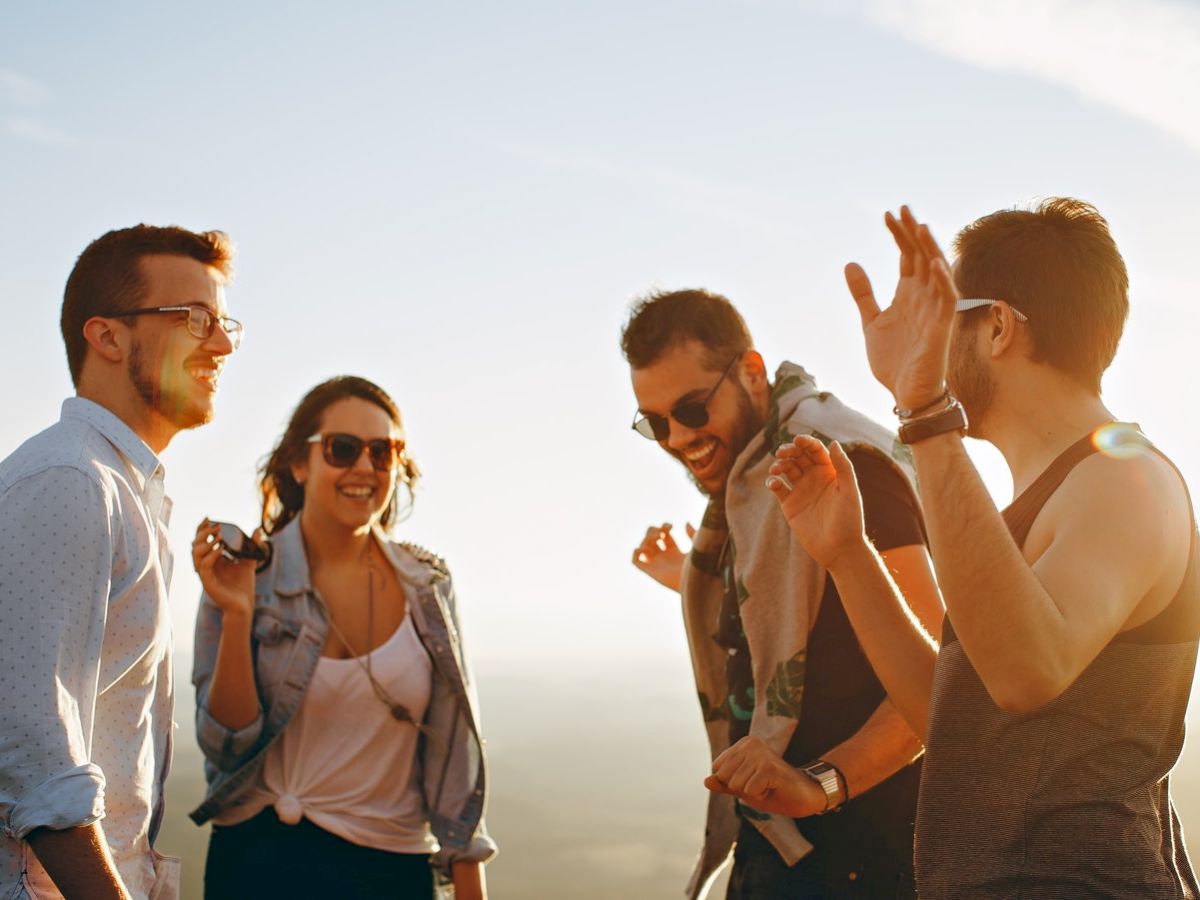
{"x":86,"y":696}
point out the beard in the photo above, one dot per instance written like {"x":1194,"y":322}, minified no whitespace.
{"x":171,"y":402}
{"x":970,"y":380}
{"x":747,"y":424}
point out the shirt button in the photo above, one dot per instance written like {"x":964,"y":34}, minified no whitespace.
{"x":732,"y":651}
{"x":853,"y":876}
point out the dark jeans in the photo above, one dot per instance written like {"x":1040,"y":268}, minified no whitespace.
{"x":263,"y":858}
{"x":760,"y":874}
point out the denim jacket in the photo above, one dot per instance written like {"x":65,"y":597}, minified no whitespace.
{"x":289,"y":631}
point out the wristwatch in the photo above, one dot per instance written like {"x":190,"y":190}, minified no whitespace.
{"x":952,"y":418}
{"x":830,"y":781}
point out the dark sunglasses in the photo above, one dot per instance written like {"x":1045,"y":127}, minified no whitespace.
{"x":343,"y":450}
{"x":693,"y":414}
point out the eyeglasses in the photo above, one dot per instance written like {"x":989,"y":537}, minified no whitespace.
{"x":693,"y":414}
{"x":343,"y":450}
{"x":975,"y":303}
{"x":200,"y":321}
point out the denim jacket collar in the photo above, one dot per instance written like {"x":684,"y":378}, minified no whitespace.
{"x":292,"y":577}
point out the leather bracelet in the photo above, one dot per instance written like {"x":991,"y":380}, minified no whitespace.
{"x":952,"y":418}
{"x":916,"y":411}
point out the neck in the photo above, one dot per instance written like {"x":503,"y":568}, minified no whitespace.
{"x":120,"y":399}
{"x":330,"y":544}
{"x":1031,"y":433}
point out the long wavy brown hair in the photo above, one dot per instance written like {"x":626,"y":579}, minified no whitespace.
{"x":282,"y":495}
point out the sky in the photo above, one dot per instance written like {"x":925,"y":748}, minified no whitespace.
{"x":459,"y":201}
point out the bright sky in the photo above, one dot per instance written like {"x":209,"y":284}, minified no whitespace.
{"x":459,"y":200}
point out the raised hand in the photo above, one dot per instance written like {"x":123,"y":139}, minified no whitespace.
{"x":908,"y":343}
{"x":660,"y":557}
{"x":229,"y":583}
{"x":822,"y":505}
{"x":757,"y":776}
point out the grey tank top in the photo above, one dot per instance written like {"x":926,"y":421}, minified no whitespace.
{"x":1071,"y":800}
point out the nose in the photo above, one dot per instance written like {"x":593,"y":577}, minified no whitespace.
{"x":363,"y":462}
{"x":219,"y":342}
{"x":679,"y":436}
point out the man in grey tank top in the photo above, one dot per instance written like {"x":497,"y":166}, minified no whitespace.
{"x":1054,"y":711}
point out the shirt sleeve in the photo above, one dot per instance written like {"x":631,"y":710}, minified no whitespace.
{"x":56,"y":558}
{"x":891,"y":515}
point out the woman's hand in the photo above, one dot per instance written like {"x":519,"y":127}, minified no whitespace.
{"x":230,"y":583}
{"x":757,"y":776}
{"x":660,"y":557}
{"x":908,"y":344}
{"x":823,"y":507}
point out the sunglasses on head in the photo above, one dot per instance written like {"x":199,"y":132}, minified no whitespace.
{"x":693,"y":413}
{"x":343,"y":450}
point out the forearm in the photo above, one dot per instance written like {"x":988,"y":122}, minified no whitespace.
{"x":882,"y":747}
{"x":469,"y":882}
{"x":899,"y":648}
{"x":232,"y":695}
{"x":79,"y":862}
{"x":1008,"y":624}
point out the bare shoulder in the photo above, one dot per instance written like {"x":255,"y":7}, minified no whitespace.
{"x":1125,"y":517}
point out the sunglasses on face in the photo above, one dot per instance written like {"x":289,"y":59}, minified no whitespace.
{"x":343,"y":450}
{"x":200,"y":321}
{"x":693,"y":413}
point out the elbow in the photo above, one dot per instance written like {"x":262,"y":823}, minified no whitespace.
{"x":1028,"y":690}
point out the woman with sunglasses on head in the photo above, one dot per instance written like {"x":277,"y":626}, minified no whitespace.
{"x":333,"y":702}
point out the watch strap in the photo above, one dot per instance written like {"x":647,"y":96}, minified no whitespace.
{"x":952,"y":418}
{"x":829,"y":779}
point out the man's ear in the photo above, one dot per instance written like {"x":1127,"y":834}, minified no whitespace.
{"x":1002,"y":328}
{"x":754,"y":370}
{"x":105,"y":339}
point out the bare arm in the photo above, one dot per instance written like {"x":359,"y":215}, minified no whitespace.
{"x":881,"y":747}
{"x":79,"y":862}
{"x":469,"y":881}
{"x":231,"y":694}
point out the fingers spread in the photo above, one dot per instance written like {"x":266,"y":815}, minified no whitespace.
{"x":860,"y":290}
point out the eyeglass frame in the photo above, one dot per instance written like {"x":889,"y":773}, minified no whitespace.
{"x":702,"y":405}
{"x":968,"y":303}
{"x":396,"y":444}
{"x":235,"y":334}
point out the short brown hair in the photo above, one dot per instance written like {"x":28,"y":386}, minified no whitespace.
{"x":106,"y":277}
{"x":665,"y":319}
{"x":1058,"y":264}
{"x":282,"y":495}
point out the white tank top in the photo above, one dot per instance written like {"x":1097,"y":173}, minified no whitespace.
{"x":344,"y":762}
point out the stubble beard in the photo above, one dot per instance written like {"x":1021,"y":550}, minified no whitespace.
{"x":176,"y":407}
{"x":970,"y":381}
{"x":747,"y":424}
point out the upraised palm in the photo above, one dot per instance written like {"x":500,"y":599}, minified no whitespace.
{"x":908,"y":343}
{"x":823,"y":507}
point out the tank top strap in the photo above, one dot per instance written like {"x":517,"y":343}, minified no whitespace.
{"x":1021,"y":513}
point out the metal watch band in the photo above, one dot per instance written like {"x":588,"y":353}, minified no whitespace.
{"x":952,"y":418}
{"x":826,"y":776}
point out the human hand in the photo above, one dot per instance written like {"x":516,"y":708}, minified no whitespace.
{"x":757,"y":776}
{"x":660,"y":557}
{"x":908,"y":344}
{"x":230,"y":583}
{"x":823,"y":507}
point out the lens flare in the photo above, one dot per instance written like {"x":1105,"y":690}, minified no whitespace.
{"x":1120,"y":440}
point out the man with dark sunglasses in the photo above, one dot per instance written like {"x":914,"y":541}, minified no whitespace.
{"x":796,"y":719}
{"x":85,"y":637}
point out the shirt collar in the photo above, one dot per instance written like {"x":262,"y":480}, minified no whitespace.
{"x":120,"y":435}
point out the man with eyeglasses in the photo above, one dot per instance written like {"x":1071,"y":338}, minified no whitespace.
{"x":85,"y":634}
{"x":797,"y":721}
{"x":1054,"y":709}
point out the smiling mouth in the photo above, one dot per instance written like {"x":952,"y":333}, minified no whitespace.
{"x":357,"y":491}
{"x":700,"y":454}
{"x":206,"y":373}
